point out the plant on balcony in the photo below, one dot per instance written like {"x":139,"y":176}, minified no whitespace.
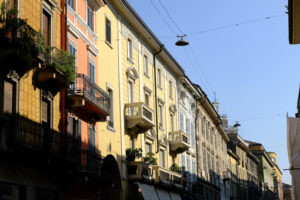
{"x":56,"y":59}
{"x":175,"y":168}
{"x":150,"y":159}
{"x":132,"y":154}
{"x":18,"y":47}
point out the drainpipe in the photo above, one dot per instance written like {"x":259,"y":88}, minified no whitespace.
{"x":155,"y":95}
{"x":64,"y":47}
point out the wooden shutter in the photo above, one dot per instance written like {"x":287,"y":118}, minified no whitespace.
{"x":46,"y":27}
{"x":9,"y":97}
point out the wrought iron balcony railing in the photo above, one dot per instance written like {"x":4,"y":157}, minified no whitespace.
{"x":179,"y":141}
{"x":91,"y":162}
{"x":21,"y":135}
{"x":139,"y":117}
{"x":88,"y":99}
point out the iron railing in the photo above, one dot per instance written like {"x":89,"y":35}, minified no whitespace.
{"x":83,"y":86}
{"x":19,"y":133}
{"x":91,"y":162}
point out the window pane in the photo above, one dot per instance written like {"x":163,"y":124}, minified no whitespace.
{"x":9,"y":97}
{"x":46,"y":27}
{"x":90,"y":18}
{"x":162,"y":158}
{"x":108,"y":30}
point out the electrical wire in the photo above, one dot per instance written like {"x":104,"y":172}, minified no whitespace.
{"x":228,"y":26}
{"x":162,"y":5}
{"x":157,"y":10}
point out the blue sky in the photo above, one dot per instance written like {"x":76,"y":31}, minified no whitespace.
{"x":251,"y":67}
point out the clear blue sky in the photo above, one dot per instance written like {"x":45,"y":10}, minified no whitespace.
{"x":251,"y":67}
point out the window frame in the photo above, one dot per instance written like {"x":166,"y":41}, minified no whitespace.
{"x":129,"y":49}
{"x":108,"y":22}
{"x":110,"y":122}
{"x":170,"y":89}
{"x":146,"y":65}
{"x":89,"y":23}
{"x":159,"y":78}
{"x":73,"y":4}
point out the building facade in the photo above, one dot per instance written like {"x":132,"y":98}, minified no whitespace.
{"x":277,"y":176}
{"x":212,"y":157}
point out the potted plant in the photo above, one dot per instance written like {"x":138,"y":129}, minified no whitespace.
{"x":175,"y":168}
{"x":58,"y":70}
{"x":18,"y":49}
{"x":132,"y":154}
{"x":150,"y":159}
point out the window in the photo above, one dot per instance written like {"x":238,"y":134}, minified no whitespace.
{"x":181,"y":123}
{"x":162,"y":158}
{"x":204,"y":160}
{"x":90,"y":18}
{"x":71,"y":3}
{"x":45,"y":112}
{"x":147,"y":99}
{"x":202,"y":126}
{"x":170,"y":90}
{"x":130,"y":92}
{"x":188,"y":126}
{"x":192,"y":134}
{"x":74,"y":127}
{"x":129,"y":49}
{"x":92,"y":138}
{"x":159,"y":77}
{"x":107,"y":30}
{"x":160,"y":110}
{"x":111,"y":104}
{"x":46,"y":27}
{"x":73,"y":52}
{"x":148,"y":148}
{"x":91,"y":72}
{"x":9,"y":99}
{"x":172,"y":122}
{"x":182,"y":160}
{"x":146,"y":70}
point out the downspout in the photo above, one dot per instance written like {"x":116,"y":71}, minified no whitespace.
{"x":64,"y":47}
{"x":155,"y":95}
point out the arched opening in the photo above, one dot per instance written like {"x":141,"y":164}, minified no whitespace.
{"x":113,"y":187}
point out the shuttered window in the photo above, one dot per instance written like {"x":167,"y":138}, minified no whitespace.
{"x":46,"y":27}
{"x":9,"y":97}
{"x":92,"y":138}
{"x":45,"y":111}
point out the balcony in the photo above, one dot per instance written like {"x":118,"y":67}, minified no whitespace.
{"x":139,"y":171}
{"x":178,"y":142}
{"x":56,"y":72}
{"x":87,"y":100}
{"x":26,"y":139}
{"x":169,"y":178}
{"x":91,"y":163}
{"x":18,"y":49}
{"x":138,"y":117}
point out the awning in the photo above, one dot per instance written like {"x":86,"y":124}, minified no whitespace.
{"x":148,"y":192}
{"x":151,"y":193}
{"x":163,"y":194}
{"x":174,"y":196}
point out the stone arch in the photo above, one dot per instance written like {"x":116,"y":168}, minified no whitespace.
{"x":132,"y":73}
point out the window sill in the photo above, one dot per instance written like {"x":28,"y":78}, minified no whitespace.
{"x":130,"y":60}
{"x":109,"y":44}
{"x":160,"y":87}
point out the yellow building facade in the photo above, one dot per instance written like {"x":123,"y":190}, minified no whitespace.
{"x":141,"y":76}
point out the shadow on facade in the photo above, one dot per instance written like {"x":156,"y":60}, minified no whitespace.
{"x":38,"y":162}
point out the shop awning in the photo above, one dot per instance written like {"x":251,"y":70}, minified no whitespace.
{"x":174,"y":196}
{"x":163,"y":194}
{"x":151,"y":193}
{"x":148,"y":191}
